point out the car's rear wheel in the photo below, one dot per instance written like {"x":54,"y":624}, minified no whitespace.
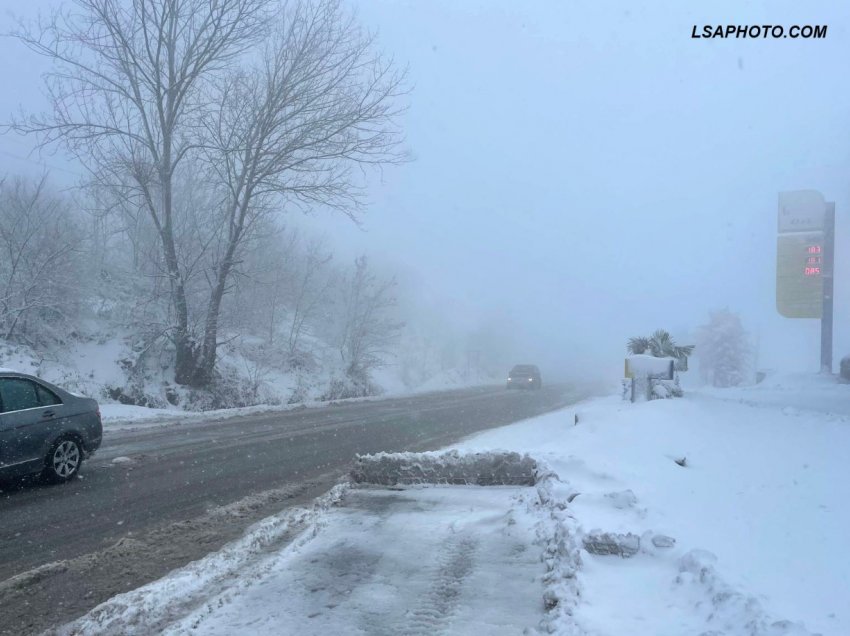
{"x":63,"y":460}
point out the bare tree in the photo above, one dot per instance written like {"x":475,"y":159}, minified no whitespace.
{"x":40,"y":262}
{"x":127,"y":94}
{"x":141,"y":87}
{"x":291,"y":129}
{"x":367,"y":328}
{"x":311,"y":284}
{"x":279,"y":256}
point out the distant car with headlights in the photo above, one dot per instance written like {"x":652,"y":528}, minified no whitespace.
{"x":524,"y":376}
{"x":44,"y":429}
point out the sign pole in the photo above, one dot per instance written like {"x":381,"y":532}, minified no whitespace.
{"x":828,"y":279}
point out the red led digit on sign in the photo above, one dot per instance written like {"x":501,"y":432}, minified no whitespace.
{"x":813,"y":249}
{"x":812,"y":271}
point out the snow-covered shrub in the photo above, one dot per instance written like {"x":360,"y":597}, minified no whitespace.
{"x":227,"y":391}
{"x":365,"y":326}
{"x":660,"y":390}
{"x":344,"y":386}
{"x":134,"y":393}
{"x":664,"y":389}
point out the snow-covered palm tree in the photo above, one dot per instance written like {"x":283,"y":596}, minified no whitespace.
{"x":660,"y":344}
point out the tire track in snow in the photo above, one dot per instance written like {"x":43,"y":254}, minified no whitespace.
{"x":435,"y":610}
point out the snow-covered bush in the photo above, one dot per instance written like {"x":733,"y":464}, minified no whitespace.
{"x":664,"y":389}
{"x":229,"y":390}
{"x":350,"y":385}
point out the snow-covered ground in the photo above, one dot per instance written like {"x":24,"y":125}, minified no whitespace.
{"x":728,"y":513}
{"x":759,"y":510}
{"x":364,"y":573}
{"x":423,"y":560}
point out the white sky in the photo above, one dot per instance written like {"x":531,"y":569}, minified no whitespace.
{"x":587,"y":171}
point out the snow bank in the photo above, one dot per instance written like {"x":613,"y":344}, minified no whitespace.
{"x":148,"y":609}
{"x":729,"y":611}
{"x":557,"y":537}
{"x":124,"y":416}
{"x":477,"y":469}
{"x":813,"y":392}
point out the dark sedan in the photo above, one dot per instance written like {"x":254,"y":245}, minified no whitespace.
{"x":44,"y":429}
{"x":525,"y":376}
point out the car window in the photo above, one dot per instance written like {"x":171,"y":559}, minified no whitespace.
{"x":17,"y":394}
{"x":46,"y":397}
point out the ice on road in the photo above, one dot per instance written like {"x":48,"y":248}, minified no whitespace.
{"x":447,"y":560}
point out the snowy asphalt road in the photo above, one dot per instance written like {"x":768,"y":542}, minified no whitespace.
{"x":159,"y":507}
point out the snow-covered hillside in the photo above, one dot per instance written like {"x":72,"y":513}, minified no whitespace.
{"x":252,"y":376}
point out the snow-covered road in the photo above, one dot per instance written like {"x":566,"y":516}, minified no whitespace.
{"x":182,"y":491}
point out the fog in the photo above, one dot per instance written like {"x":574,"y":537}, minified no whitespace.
{"x":590,"y":173}
{"x":584,"y":172}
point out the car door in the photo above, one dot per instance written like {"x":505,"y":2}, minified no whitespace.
{"x":27,"y":419}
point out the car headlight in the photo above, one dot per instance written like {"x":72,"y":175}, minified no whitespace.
{"x":531,"y":379}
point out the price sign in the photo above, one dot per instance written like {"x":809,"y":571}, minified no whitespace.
{"x":799,"y":274}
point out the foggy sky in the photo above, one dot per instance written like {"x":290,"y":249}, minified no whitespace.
{"x":586,"y":171}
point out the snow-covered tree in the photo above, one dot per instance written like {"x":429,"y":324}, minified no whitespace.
{"x":724,"y":350}
{"x":660,"y":344}
{"x":265,"y":105}
{"x":368,"y":327}
{"x":41,"y":267}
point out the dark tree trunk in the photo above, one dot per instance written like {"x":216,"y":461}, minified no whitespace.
{"x":185,"y":349}
{"x":205,"y":366}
